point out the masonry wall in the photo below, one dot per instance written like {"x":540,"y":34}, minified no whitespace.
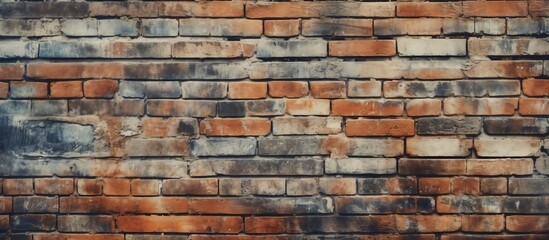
{"x":274,"y":120}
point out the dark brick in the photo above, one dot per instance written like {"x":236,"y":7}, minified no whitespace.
{"x":384,"y":204}
{"x":185,"y":71}
{"x":231,"y":109}
{"x":261,"y":206}
{"x":106,"y":107}
{"x":11,"y":107}
{"x":449,"y":126}
{"x":33,"y":222}
{"x":321,"y":224}
{"x":265,"y":107}
{"x":49,"y":107}
{"x":85,"y":223}
{"x":469,"y":204}
{"x":35,"y":204}
{"x":257,"y":167}
{"x":523,"y":205}
{"x":432,"y":166}
{"x":528,"y":186}
{"x":291,"y":146}
{"x":373,"y":186}
{"x":156,"y":89}
{"x":516,"y":126}
{"x":43,"y":9}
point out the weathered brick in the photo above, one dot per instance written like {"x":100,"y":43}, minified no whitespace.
{"x":289,"y":89}
{"x":116,"y":187}
{"x":18,"y":49}
{"x":66,"y":89}
{"x":220,"y":27}
{"x":4,"y":89}
{"x":235,"y":127}
{"x":157,"y":147}
{"x":29,"y":28}
{"x":187,"y":224}
{"x":542,"y":164}
{"x":495,"y":9}
{"x":482,"y":223}
{"x":493,"y":237}
{"x":377,"y":186}
{"x":431,"y":47}
{"x":261,"y":187}
{"x":362,"y":48}
{"x":290,"y":146}
{"x":535,"y":87}
{"x":141,"y":236}
{"x":141,"y":49}
{"x":117,"y":27}
{"x":74,"y":70}
{"x":302,"y":187}
{"x":524,"y":186}
{"x":100,"y":88}
{"x":495,"y":167}
{"x":493,"y":186}
{"x":300,"y":107}
{"x":12,"y":71}
{"x":202,"y":9}
{"x":538,"y":8}
{"x":203,"y":90}
{"x":281,"y":28}
{"x":383,"y":127}
{"x":50,"y":236}
{"x":523,"y":205}
{"x":523,"y":26}
{"x":145,"y":187}
{"x":504,"y":69}
{"x":433,"y":70}
{"x":465,"y":185}
{"x":278,"y":49}
{"x":149,"y":89}
{"x":231,"y":108}
{"x":321,"y":224}
{"x":472,"y":88}
{"x":4,"y":224}
{"x":446,"y":223}
{"x":49,"y":108}
{"x":84,"y":223}
{"x":267,"y":167}
{"x":429,"y":9}
{"x":364,"y":89}
{"x":79,"y":27}
{"x":190,"y":187}
{"x":17,"y":186}
{"x":121,"y":205}
{"x":35,"y":204}
{"x":293,"y":70}
{"x":507,"y":47}
{"x":480,"y":106}
{"x":185,"y":108}
{"x":6,"y":204}
{"x":306,"y":125}
{"x":171,"y":127}
{"x":125,"y":107}
{"x":159,"y":27}
{"x":123,"y":9}
{"x":434,"y":186}
{"x":384,"y":204}
{"x":438,"y":146}
{"x":507,"y":146}
{"x":469,"y":204}
{"x":184,"y":71}
{"x":449,"y":126}
{"x":223,"y":147}
{"x":328,"y":89}
{"x":38,"y":10}
{"x":490,"y":26}
{"x":267,"y":107}
{"x":361,"y":166}
{"x":373,"y":147}
{"x":432,"y":166}
{"x":534,"y":106}
{"x":423,"y":107}
{"x":337,"y":186}
{"x":87,"y":187}
{"x":58,"y":186}
{"x":33,"y":222}
{"x":527,"y":223}
{"x":396,"y":26}
{"x":337,"y":27}
{"x":213,"y":49}
{"x":315,"y":10}
{"x":516,"y":126}
{"x":277,"y":206}
{"x":367,"y":108}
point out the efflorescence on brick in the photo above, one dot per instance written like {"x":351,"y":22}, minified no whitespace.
{"x":171,"y":120}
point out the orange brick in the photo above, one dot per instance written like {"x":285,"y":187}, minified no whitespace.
{"x":362,"y":48}
{"x":17,"y":187}
{"x":527,"y":223}
{"x":116,"y":186}
{"x":424,"y":107}
{"x":100,"y":88}
{"x":481,"y":106}
{"x":122,"y":205}
{"x":493,"y":186}
{"x":534,"y":106}
{"x":4,"y":88}
{"x":281,"y":28}
{"x":429,"y":9}
{"x":495,"y":8}
{"x":535,"y":87}
{"x":89,"y":187}
{"x":69,"y":89}
{"x":11,"y":71}
{"x":288,"y":89}
{"x":466,"y":185}
{"x":54,"y":186}
{"x":308,"y":107}
{"x":434,"y":185}
{"x":74,"y":70}
{"x":145,"y":187}
{"x":482,"y":223}
{"x":345,"y":107}
{"x":337,"y":186}
{"x":180,"y":224}
{"x":247,"y":90}
{"x":65,"y":236}
{"x":235,"y":127}
{"x":328,"y":89}
{"x":383,"y":127}
{"x":413,"y":223}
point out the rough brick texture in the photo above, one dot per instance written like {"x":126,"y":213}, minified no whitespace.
{"x":264,"y":120}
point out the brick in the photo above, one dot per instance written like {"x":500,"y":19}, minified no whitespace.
{"x":490,"y":26}
{"x":100,"y":88}
{"x":269,"y":107}
{"x":373,"y":186}
{"x":432,"y":166}
{"x":213,"y":49}
{"x":126,"y":107}
{"x":523,"y":186}
{"x":289,"y":89}
{"x":121,"y":205}
{"x":149,"y":89}
{"x":281,"y":28}
{"x":121,"y":9}
{"x":293,"y":70}
{"x":116,"y":186}
{"x":434,"y":186}
{"x":29,"y":90}
{"x":83,"y":223}
{"x":73,"y":70}
{"x":35,"y":204}
{"x":17,"y":187}
{"x":431,"y":47}
{"x":449,"y":126}
{"x":270,"y":206}
{"x":414,"y":27}
{"x":171,"y":127}
{"x":4,"y":223}
{"x":117,"y":27}
{"x":453,"y":26}
{"x":145,"y":187}
{"x":159,"y":27}
{"x":428,"y":9}
{"x":361,"y":166}
{"x":374,"y":147}
{"x":447,"y":223}
{"x":436,"y":70}
{"x":49,"y":108}
{"x":533,"y":106}
{"x":321,"y":224}
{"x":403,"y":186}
{"x":362,"y":48}
{"x":60,"y":186}
{"x":6,"y":204}
{"x":302,"y":187}
{"x":33,"y":222}
{"x":364,"y":89}
{"x":438,"y":146}
{"x":43,"y":10}
{"x":315,"y":10}
{"x":58,"y":49}
{"x":260,"y":187}
{"x":523,"y":205}
{"x":139,"y":49}
{"x":231,"y":108}
{"x":383,"y":127}
{"x":279,"y":49}
{"x":220,"y":27}
{"x":267,"y":167}
{"x":197,"y":90}
{"x":538,"y":8}
{"x":469,"y":204}
{"x":495,"y":167}
{"x":367,"y":108}
{"x":337,"y":27}
{"x":68,"y":89}
{"x":190,"y":187}
{"x":337,"y":186}
{"x":535,"y":87}
{"x":488,"y":237}
{"x":423,"y":107}
{"x":507,"y":147}
{"x":384,"y":204}
{"x":480,"y":106}
{"x":247,"y":90}
{"x":516,"y":126}
{"x":88,"y":187}
{"x":542,"y":164}
{"x":12,"y":71}
{"x":202,"y":9}
{"x":493,"y":186}
{"x":50,"y":236}
{"x":306,"y":125}
{"x":160,"y":237}
{"x":301,"y":107}
{"x":507,"y":47}
{"x":523,"y":26}
{"x":495,"y":9}
{"x":413,"y":89}
{"x":291,"y":146}
{"x":29,"y":28}
{"x":157,"y":147}
{"x":4,"y":89}
{"x":79,"y":27}
{"x":504,"y":69}
{"x":328,"y":89}
{"x":465,"y":185}
{"x":482,"y":223}
{"x":527,"y":223}
{"x":187,"y":224}
{"x":223,"y":147}
{"x":235,"y":127}
{"x":185,"y":108}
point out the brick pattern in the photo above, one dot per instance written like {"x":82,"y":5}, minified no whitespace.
{"x":172,"y":120}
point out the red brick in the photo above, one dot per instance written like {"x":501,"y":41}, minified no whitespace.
{"x":202,"y":9}
{"x":337,"y":186}
{"x":527,"y":223}
{"x":116,"y":186}
{"x":367,"y":108}
{"x":493,"y":186}
{"x":235,"y":127}
{"x":465,"y":185}
{"x":4,"y":89}
{"x":11,"y":71}
{"x":298,"y":107}
{"x":444,"y":223}
{"x":74,"y":70}
{"x":17,"y":187}
{"x":69,"y":89}
{"x":53,"y":236}
{"x":4,"y":223}
{"x":172,"y":205}
{"x":100,"y":88}
{"x":362,"y":48}
{"x":247,"y":90}
{"x":428,"y":9}
{"x":337,"y":27}
{"x":382,"y":127}
{"x":495,"y":167}
{"x":328,"y":89}
{"x":289,"y":89}
{"x":53,"y":186}
{"x":432,"y":186}
{"x":281,"y":28}
{"x":321,"y":224}
{"x":535,"y":87}
{"x":90,"y":187}
{"x":212,"y":49}
{"x":145,"y":187}
{"x":495,"y":8}
{"x":482,"y":223}
{"x":29,"y":90}
{"x":480,"y":106}
{"x":533,"y":106}
{"x":180,"y":224}
{"x":6,"y":204}
{"x":424,"y":107}
{"x":538,"y":8}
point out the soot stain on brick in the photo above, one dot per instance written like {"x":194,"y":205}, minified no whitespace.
{"x":424,"y":205}
{"x":186,"y":128}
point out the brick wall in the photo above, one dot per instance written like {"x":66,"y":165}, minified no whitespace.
{"x":172,"y":120}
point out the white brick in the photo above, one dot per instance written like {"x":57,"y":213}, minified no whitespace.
{"x":507,"y":146}
{"x":272,"y":49}
{"x":508,"y":47}
{"x":361,"y":166}
{"x":522,"y":26}
{"x":80,"y":28}
{"x":117,"y":27}
{"x":490,"y":26}
{"x":18,"y":49}
{"x":438,"y":146}
{"x":431,"y":47}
